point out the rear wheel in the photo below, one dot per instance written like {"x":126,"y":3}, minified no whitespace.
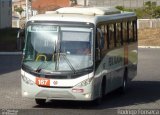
{"x":124,"y":84}
{"x":40,"y":101}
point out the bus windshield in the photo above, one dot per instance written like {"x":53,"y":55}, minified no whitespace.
{"x":52,"y":48}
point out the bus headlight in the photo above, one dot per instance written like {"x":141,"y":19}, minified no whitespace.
{"x":85,"y":82}
{"x":27,"y":80}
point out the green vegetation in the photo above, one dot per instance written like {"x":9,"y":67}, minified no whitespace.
{"x":19,"y":10}
{"x":149,"y":10}
{"x":156,"y":12}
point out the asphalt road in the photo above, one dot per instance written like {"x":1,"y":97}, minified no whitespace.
{"x":143,"y":92}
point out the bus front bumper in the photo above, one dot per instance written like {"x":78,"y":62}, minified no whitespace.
{"x":72,"y":93}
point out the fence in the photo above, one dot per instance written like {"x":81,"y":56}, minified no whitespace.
{"x":148,"y":23}
{"x":18,"y":23}
{"x":125,"y":3}
{"x":15,"y":24}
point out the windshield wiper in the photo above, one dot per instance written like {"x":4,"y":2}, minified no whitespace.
{"x":58,"y":53}
{"x":41,"y":66}
{"x":68,"y":62}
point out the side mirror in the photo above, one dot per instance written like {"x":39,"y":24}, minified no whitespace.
{"x":20,"y":39}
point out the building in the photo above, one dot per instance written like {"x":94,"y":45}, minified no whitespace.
{"x":49,"y":5}
{"x":5,"y":13}
{"x":83,"y":2}
{"x":19,"y":4}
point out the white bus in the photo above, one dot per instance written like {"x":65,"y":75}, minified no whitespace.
{"x":78,"y":54}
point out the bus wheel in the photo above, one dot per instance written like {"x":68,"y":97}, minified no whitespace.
{"x":40,"y":101}
{"x":98,"y":101}
{"x":124,"y":84}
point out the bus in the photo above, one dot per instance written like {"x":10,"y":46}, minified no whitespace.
{"x":78,"y":54}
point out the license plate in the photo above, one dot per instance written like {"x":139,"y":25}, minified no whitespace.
{"x":42,"y":81}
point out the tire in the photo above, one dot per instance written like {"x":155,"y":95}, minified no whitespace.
{"x":99,"y":100}
{"x":40,"y":101}
{"x":123,"y":88}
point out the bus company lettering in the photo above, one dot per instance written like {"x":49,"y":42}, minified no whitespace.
{"x":115,"y":60}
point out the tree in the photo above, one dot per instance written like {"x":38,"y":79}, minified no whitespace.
{"x":73,"y":2}
{"x":19,"y":10}
{"x":124,"y":9}
{"x":149,"y":8}
{"x":150,"y":5}
{"x":120,"y":8}
{"x":156,"y":12}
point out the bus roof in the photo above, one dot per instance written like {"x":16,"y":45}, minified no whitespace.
{"x":74,"y":14}
{"x":88,"y":10}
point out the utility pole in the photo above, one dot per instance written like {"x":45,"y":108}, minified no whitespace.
{"x":85,"y":3}
{"x":123,"y":3}
{"x":26,"y":10}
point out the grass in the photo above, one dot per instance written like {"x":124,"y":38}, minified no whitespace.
{"x":149,"y":37}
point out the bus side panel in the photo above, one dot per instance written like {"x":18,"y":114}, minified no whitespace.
{"x":132,"y":60}
{"x":97,"y":81}
{"x":112,"y":68}
{"x":116,"y":67}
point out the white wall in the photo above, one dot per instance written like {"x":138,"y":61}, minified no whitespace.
{"x":5,"y":13}
{"x":82,"y":2}
{"x":125,"y":3}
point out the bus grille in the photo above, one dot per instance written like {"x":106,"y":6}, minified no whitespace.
{"x":55,"y":94}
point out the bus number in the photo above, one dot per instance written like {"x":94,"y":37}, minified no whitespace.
{"x":42,"y":82}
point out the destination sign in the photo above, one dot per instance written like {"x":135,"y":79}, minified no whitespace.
{"x":43,"y":28}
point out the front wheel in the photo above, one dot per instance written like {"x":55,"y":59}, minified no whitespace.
{"x":40,"y":101}
{"x":99,"y":100}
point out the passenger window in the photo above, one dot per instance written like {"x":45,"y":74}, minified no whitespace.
{"x":118,"y":35}
{"x":135,"y":30}
{"x":104,"y":31}
{"x":125,"y":35}
{"x":131,"y":35}
{"x":111,"y":36}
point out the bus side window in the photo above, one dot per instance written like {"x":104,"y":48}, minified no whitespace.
{"x":125,"y":35}
{"x":99,"y":35}
{"x":135,"y":30}
{"x":98,"y":47}
{"x":118,"y":35}
{"x":105,"y":34}
{"x":111,"y":36}
{"x":131,"y":33}
{"x":106,"y":39}
{"x":101,"y":43}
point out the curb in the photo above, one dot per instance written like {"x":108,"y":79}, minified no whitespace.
{"x":10,"y":53}
{"x":148,"y":46}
